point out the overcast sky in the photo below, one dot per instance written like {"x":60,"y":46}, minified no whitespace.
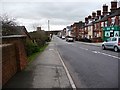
{"x":60,"y":12}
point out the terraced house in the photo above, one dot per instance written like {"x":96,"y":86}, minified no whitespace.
{"x":112,"y":27}
{"x":100,"y":25}
{"x":105,"y":25}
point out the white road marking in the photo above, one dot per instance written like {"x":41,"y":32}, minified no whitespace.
{"x":86,"y":49}
{"x":97,"y":52}
{"x":69,"y":43}
{"x":83,"y":48}
{"x":109,"y":55}
{"x":67,"y":72}
{"x":94,"y":51}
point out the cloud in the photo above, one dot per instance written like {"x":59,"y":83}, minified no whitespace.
{"x":52,"y":1}
{"x":60,"y":13}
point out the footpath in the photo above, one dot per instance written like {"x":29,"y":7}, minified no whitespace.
{"x":46,"y":71}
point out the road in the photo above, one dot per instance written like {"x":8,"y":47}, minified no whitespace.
{"x":89,"y":66}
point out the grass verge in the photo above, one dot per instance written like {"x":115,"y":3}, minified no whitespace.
{"x":33,"y":56}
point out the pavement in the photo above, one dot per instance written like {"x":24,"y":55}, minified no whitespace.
{"x":46,"y":71}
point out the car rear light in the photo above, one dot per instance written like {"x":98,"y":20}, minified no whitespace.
{"x":119,"y":43}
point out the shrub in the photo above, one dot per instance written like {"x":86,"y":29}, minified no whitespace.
{"x":40,"y":37}
{"x":31,"y":48}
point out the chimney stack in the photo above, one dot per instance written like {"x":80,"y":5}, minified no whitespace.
{"x":89,"y":17}
{"x":98,"y":12}
{"x":93,"y":14}
{"x":119,"y":4}
{"x":38,"y":28}
{"x":105,"y":9}
{"x":113,"y":6}
{"x":86,"y":20}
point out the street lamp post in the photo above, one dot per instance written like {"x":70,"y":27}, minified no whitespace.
{"x":48,"y":25}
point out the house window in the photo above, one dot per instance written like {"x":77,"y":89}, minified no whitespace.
{"x":114,"y":39}
{"x":106,"y":24}
{"x":95,"y":26}
{"x":113,"y":21}
{"x":102,"y":24}
{"x":95,"y":34}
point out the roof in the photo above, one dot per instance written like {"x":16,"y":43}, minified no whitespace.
{"x":13,"y":36}
{"x":90,"y":24}
{"x":99,"y":19}
{"x":22,"y":31}
{"x":117,"y":13}
{"x":104,"y":18}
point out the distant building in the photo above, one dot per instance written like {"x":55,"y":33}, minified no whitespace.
{"x":38,"y":28}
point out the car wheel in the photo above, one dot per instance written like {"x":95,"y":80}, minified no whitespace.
{"x":116,"y":49}
{"x":103,"y":47}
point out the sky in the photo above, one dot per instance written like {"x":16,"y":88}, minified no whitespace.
{"x":60,"y":13}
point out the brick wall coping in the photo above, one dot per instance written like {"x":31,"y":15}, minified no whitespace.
{"x":4,"y":45}
{"x":14,"y":36}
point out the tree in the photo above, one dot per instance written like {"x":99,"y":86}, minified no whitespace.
{"x":40,"y":37}
{"x":8,"y":25}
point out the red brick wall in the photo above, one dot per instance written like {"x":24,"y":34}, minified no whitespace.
{"x":21,"y":54}
{"x":14,"y":56}
{"x":20,"y":51}
{"x":117,"y":20}
{"x":9,"y":65}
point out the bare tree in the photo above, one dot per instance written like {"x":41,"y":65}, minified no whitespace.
{"x":8,"y":25}
{"x":8,"y":21}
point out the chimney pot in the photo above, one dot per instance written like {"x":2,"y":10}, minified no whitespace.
{"x":89,"y":17}
{"x":86,"y":20}
{"x":93,"y":14}
{"x":113,"y":6}
{"x":105,"y":9}
{"x":119,"y":4}
{"x":98,"y":12}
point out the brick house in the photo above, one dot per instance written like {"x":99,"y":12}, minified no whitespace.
{"x":101,"y":26}
{"x":83,"y":29}
{"x":91,"y":26}
{"x":90,"y":30}
{"x":76,"y":29}
{"x":112,"y":26}
{"x":100,"y":22}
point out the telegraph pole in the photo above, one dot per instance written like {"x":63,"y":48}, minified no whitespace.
{"x":49,"y":29}
{"x":48,"y":25}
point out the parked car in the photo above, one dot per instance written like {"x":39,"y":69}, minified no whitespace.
{"x":69,"y":38}
{"x":85,"y":40}
{"x":112,"y":43}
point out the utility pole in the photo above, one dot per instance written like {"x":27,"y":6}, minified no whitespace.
{"x":48,"y":25}
{"x":49,"y":29}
